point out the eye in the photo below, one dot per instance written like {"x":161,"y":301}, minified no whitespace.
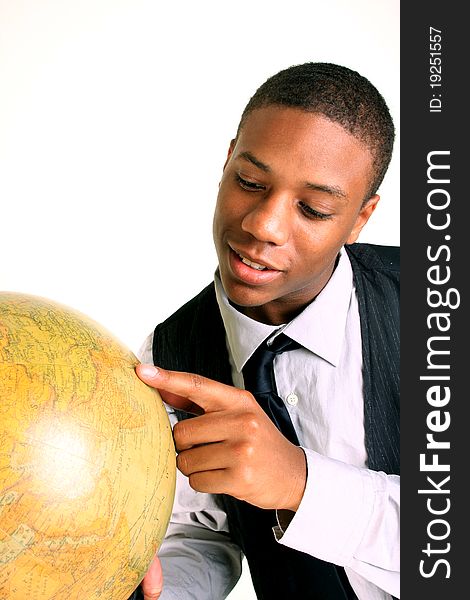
{"x":312,"y":213}
{"x":250,"y":186}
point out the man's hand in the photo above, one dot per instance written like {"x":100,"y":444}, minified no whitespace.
{"x":232,"y":447}
{"x":152,"y":583}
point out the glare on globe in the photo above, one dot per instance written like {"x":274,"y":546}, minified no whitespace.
{"x":87,"y":460}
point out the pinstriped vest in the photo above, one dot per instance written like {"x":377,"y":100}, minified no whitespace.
{"x":193,"y":339}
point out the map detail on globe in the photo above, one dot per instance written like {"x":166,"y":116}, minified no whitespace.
{"x":87,"y":460}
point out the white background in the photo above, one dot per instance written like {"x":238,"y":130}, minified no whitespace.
{"x":115,"y":118}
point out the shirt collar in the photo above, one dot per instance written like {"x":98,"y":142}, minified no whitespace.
{"x":319,"y":327}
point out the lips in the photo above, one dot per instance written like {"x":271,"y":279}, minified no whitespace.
{"x":252,"y":263}
{"x":259,"y":265}
{"x":249,"y":271}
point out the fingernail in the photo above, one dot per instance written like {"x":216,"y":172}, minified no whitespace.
{"x":148,"y":371}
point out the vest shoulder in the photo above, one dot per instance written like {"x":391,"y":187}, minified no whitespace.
{"x":373,"y":256}
{"x":205,"y":301}
{"x":193,"y":339}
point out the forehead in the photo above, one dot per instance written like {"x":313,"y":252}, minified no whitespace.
{"x":308,"y":144}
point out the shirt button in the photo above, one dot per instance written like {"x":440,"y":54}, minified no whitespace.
{"x":292,"y":399}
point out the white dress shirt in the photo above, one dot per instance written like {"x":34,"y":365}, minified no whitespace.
{"x":349,"y":515}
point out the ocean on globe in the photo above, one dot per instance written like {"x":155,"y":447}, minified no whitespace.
{"x":87,"y":460}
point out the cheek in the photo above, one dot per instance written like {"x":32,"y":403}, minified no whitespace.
{"x":313,"y":239}
{"x":223,"y":218}
{"x":229,"y":208}
{"x":219,"y":216}
{"x":318,"y":247}
{"x":331,"y":235}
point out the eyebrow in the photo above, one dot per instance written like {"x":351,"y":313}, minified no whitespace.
{"x":250,"y":158}
{"x":333,"y":190}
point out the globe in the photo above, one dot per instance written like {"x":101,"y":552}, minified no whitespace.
{"x":87,"y":460}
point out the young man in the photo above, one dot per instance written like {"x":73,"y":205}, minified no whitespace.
{"x":313,"y":502}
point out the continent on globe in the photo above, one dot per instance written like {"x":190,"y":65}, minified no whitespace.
{"x":87,"y":460}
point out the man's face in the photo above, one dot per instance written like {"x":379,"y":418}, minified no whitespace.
{"x":291,"y":195}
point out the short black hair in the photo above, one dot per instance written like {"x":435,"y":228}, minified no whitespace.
{"x":341,"y":95}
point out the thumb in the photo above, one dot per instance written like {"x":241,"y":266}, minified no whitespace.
{"x":152,"y":583}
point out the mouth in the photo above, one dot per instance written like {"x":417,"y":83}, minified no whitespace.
{"x":251,"y":263}
{"x":251,"y":272}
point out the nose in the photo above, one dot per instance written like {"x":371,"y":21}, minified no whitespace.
{"x":268,"y":220}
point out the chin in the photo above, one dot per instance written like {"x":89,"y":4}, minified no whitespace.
{"x":243,"y":296}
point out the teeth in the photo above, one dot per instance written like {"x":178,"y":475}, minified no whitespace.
{"x":252,"y":264}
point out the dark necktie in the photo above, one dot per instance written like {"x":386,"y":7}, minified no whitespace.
{"x":258,"y":374}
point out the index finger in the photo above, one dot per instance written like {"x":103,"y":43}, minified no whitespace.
{"x":208,"y":394}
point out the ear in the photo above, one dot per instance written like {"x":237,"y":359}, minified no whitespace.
{"x":229,"y":153}
{"x":362,"y":218}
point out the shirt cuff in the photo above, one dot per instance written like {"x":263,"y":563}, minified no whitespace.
{"x":333,"y":513}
